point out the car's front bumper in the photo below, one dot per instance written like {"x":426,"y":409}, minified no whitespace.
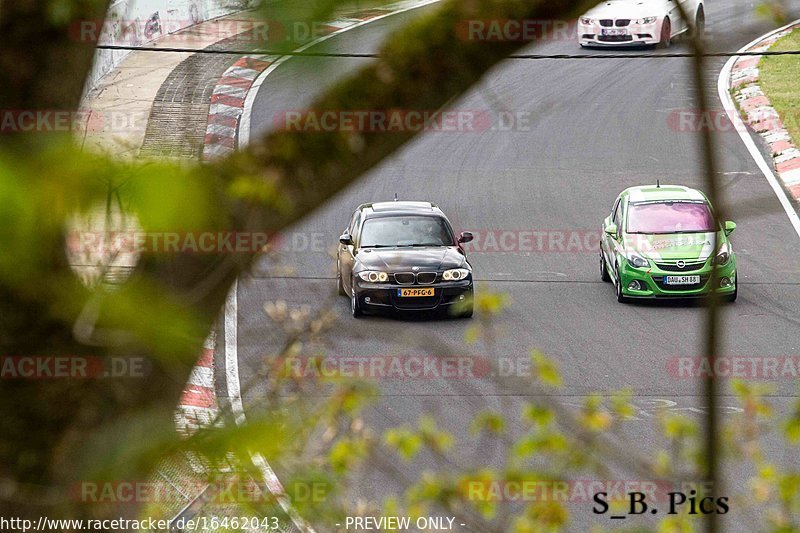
{"x":378,"y":297}
{"x":652,"y":280}
{"x":637,"y":35}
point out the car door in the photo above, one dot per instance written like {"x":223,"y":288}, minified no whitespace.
{"x":347,"y":252}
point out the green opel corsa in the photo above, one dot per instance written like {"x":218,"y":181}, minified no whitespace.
{"x":661,"y":241}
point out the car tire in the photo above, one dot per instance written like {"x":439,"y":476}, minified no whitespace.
{"x":666,"y":34}
{"x":699,"y":23}
{"x":603,"y":270}
{"x":339,"y":284}
{"x":618,"y":290}
{"x":355,"y":307}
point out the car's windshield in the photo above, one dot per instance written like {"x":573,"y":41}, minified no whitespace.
{"x":670,"y":217}
{"x":406,"y":231}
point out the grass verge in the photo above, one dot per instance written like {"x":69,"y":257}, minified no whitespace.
{"x":779,"y":77}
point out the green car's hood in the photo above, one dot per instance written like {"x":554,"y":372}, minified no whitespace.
{"x":671,"y":247}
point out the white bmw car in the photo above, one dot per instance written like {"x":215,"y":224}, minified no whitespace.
{"x":639,"y":22}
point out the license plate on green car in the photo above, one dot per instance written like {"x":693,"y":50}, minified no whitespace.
{"x":681,"y":280}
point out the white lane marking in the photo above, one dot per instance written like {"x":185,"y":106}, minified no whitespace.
{"x":244,"y":123}
{"x":741,"y":129}
{"x":237,"y":407}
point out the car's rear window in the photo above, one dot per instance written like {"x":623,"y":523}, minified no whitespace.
{"x":670,"y":217}
{"x":406,"y":231}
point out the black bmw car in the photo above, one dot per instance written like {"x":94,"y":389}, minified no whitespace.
{"x":403,"y":256}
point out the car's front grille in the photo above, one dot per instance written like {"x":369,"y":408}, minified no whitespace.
{"x":404,"y":278}
{"x":659,"y":281}
{"x":424,"y":278}
{"x":688,"y":267}
{"x":622,"y":22}
{"x":615,"y":38}
{"x":410,"y":278}
{"x":606,"y":23}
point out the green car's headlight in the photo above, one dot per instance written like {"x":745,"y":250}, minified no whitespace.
{"x":373,"y":276}
{"x":455,"y":274}
{"x":637,"y":261}
{"x":723,"y":256}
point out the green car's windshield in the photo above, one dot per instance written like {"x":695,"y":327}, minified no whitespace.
{"x":406,"y":231}
{"x":670,"y":217}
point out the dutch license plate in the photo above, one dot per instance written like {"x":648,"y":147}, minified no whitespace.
{"x":681,"y":280}
{"x":613,"y":32}
{"x":423,"y":291}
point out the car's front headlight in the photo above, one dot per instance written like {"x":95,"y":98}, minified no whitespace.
{"x":587,"y":21}
{"x":723,"y":256}
{"x":646,"y":20}
{"x":373,"y":276}
{"x":636,"y":260}
{"x":455,"y":274}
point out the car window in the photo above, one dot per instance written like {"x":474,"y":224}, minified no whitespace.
{"x":670,"y":217}
{"x":618,"y":214}
{"x":614,"y":211}
{"x":406,"y":231}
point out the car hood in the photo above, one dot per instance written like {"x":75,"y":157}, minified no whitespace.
{"x":686,"y":246}
{"x":400,"y":259}
{"x":631,"y":9}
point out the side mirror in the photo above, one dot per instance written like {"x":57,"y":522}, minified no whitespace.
{"x":611,"y":229}
{"x":730,"y":225}
{"x":345,"y":239}
{"x":466,"y":236}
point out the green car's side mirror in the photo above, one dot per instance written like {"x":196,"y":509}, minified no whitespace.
{"x":611,"y":229}
{"x":730,"y":225}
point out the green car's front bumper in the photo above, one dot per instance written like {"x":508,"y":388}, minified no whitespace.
{"x":651,"y":280}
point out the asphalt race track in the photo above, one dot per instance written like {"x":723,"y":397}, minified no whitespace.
{"x":587,"y":130}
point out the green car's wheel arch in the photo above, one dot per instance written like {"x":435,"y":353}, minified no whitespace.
{"x":603,"y":269}
{"x":732,"y":297}
{"x":618,"y":288}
